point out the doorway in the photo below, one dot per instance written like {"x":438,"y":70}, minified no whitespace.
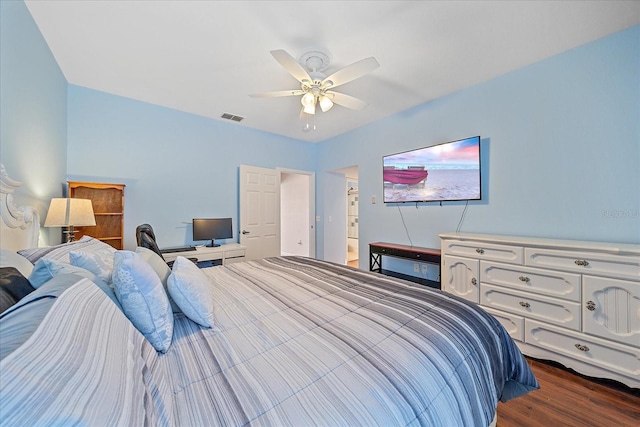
{"x":297,"y":213}
{"x":277,"y":219}
{"x":352,"y":222}
{"x":349,"y":237}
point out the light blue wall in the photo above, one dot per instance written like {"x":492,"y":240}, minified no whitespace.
{"x":561,"y":149}
{"x":33,"y":111}
{"x":176,"y":166}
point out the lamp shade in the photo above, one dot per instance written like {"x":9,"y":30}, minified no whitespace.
{"x":70,"y":212}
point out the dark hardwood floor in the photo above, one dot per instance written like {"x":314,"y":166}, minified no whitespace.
{"x":568,"y":399}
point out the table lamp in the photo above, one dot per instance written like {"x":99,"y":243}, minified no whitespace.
{"x":69,"y":213}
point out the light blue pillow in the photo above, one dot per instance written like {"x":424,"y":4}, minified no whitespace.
{"x":46,"y":269}
{"x":143,"y":298}
{"x":99,"y":262}
{"x":191,"y":290}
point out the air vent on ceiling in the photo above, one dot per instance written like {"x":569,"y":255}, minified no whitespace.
{"x":232,"y":117}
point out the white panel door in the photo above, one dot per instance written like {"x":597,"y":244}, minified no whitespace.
{"x":612,"y":309}
{"x":259,"y":211}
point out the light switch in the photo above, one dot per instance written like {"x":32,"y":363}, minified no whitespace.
{"x":373,"y":200}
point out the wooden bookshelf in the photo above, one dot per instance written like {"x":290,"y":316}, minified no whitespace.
{"x":108,"y":207}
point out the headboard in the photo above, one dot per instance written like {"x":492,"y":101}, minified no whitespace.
{"x":20,"y":225}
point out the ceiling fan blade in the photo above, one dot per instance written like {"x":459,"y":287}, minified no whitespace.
{"x":291,"y":65}
{"x":351,"y":72}
{"x":277,"y":94}
{"x":347,"y":101}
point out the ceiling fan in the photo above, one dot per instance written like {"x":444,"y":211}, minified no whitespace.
{"x":316,"y":88}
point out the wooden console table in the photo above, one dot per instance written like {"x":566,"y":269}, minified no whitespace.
{"x":416,"y":253}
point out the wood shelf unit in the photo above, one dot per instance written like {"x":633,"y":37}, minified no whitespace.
{"x":108,"y":207}
{"x":425,"y":255}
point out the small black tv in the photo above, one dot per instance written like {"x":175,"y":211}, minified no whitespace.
{"x":443,"y":172}
{"x":212,"y":229}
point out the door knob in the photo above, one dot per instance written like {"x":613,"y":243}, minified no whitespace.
{"x":245,"y":232}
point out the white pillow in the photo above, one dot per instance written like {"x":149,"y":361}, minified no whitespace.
{"x":161,"y":268}
{"x":190,"y":289}
{"x":99,"y":262}
{"x":143,"y":299}
{"x":156,"y":262}
{"x":13,"y":259}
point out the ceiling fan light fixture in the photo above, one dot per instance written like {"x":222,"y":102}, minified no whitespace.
{"x":325,"y":103}
{"x":310,"y":109}
{"x":315,"y":86}
{"x":308,"y":99}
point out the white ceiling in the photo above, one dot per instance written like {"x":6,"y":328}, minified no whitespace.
{"x":206,"y":57}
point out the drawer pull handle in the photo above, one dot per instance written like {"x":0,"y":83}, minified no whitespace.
{"x":474,"y":282}
{"x":524,"y":279}
{"x":591,"y":306}
{"x":525,"y":304}
{"x":582,"y":262}
{"x":480,"y":250}
{"x":582,"y":347}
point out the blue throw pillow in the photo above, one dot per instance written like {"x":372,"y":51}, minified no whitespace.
{"x":46,"y":269}
{"x":190,"y":288}
{"x":99,"y":262}
{"x":143,"y":298}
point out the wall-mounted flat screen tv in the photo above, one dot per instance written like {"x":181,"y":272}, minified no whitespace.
{"x":444,"y":172}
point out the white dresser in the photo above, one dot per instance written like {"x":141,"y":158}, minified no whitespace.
{"x":574,"y":302}
{"x":226,"y":254}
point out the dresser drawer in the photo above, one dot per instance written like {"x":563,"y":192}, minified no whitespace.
{"x":235,"y":253}
{"x":480,"y":250}
{"x":598,"y":264}
{"x":546,"y":282}
{"x":513,"y":323}
{"x":612,"y":356}
{"x":529,"y":305}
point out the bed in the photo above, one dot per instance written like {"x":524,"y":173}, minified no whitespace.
{"x":278,"y":341}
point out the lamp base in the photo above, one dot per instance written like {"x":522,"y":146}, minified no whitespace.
{"x":70,"y":232}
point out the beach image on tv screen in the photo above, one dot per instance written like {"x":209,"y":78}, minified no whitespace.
{"x":449,"y":171}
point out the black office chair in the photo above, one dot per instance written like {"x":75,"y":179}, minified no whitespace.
{"x":146,"y":238}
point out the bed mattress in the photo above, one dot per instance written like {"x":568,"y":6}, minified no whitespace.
{"x":296,"y":342}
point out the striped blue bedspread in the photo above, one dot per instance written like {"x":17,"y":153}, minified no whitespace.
{"x":297,"y":342}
